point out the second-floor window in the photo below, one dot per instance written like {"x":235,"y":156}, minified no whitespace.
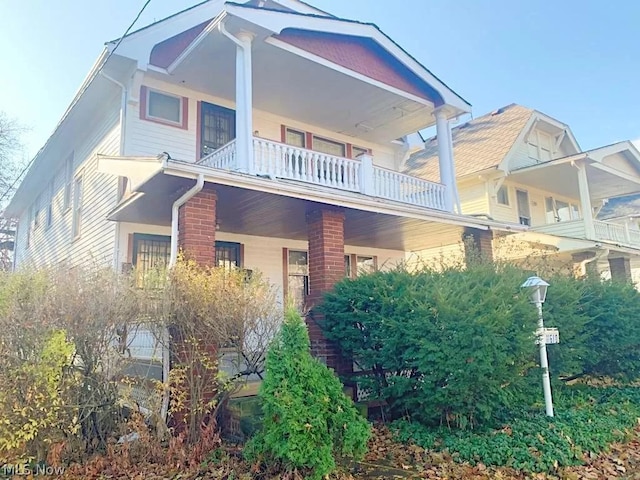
{"x":503,"y":195}
{"x":76,"y":222}
{"x":524,"y":210}
{"x":49,"y":218}
{"x":68,"y":182}
{"x":560,"y":211}
{"x":217,"y":127}
{"x":165,"y":108}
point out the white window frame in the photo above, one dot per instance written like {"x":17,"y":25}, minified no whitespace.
{"x":49,"y":213}
{"x":147,"y":115}
{"x":68,"y":182}
{"x":76,"y":220}
{"x":505,"y":189}
{"x":37,"y":208}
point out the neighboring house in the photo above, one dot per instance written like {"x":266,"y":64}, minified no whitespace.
{"x":267,"y":135}
{"x":520,"y":166}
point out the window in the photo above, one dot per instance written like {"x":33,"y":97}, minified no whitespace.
{"x":540,"y":146}
{"x":49,"y":219}
{"x":503,"y":195}
{"x":560,"y":211}
{"x":355,"y":265}
{"x":30,"y":225}
{"x":347,"y":266}
{"x":524,"y":212}
{"x":68,"y":179}
{"x":295,"y":138}
{"x":329,"y":147}
{"x":217,"y":127}
{"x":163,"y":108}
{"x":357,"y":151}
{"x":365,"y":264}
{"x":302,"y":139}
{"x":37,"y":208}
{"x":150,"y":257}
{"x":76,"y":222}
{"x":228,"y":255}
{"x":297,"y":277}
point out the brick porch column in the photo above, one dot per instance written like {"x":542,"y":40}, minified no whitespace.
{"x":197,"y":227}
{"x":620,"y":269}
{"x":325,"y":229}
{"x":196,"y":240}
{"x":478,"y":245}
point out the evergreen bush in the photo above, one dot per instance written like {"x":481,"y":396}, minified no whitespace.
{"x":308,"y":421}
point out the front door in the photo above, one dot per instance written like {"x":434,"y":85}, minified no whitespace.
{"x":524,"y":212}
{"x":217,"y":127}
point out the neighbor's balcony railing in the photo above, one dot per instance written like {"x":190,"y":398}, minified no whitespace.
{"x":279,"y":160}
{"x":604,"y":231}
{"x":617,"y":233}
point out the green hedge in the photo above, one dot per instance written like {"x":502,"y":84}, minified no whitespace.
{"x":456,"y":347}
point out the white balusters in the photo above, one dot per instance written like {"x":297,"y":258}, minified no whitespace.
{"x":223,"y":158}
{"x":278,"y":160}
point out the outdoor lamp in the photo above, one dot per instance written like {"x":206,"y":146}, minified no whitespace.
{"x":538,"y":290}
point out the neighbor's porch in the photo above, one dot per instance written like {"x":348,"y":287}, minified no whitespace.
{"x":593,"y":177}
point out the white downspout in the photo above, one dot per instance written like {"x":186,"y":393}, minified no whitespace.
{"x":123,"y":123}
{"x":175,"y":210}
{"x":174,"y":217}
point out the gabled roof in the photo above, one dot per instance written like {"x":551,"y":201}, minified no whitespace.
{"x":479,"y":144}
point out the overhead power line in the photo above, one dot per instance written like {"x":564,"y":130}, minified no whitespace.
{"x":126,"y":32}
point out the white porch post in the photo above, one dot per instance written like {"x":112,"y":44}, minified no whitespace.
{"x":244,"y":103}
{"x":367,"y":181}
{"x":445,"y":157}
{"x":585,"y":200}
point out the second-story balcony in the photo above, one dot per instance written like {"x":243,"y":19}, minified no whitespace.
{"x":280,"y":161}
{"x":603,"y":231}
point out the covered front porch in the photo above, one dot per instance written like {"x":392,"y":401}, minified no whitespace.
{"x":304,"y":244}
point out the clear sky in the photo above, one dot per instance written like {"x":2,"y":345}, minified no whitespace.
{"x":576,"y":60}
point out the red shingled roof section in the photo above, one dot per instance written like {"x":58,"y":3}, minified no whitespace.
{"x":164,"y":53}
{"x":362,"y":55}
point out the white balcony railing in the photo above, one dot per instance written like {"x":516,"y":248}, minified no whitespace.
{"x":278,"y":160}
{"x":284,"y":161}
{"x":604,"y":231}
{"x":405,"y":188}
{"x":223,"y":158}
{"x":617,"y":233}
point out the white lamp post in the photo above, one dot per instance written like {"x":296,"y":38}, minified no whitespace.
{"x":538,"y":289}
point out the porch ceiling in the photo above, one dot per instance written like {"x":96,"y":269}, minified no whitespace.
{"x":562,"y":179}
{"x":291,"y":86}
{"x":258,"y":213}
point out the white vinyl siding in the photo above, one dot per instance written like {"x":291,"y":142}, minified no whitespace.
{"x":152,"y":138}
{"x":53,"y":245}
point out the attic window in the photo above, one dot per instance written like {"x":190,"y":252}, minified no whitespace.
{"x":163,"y":108}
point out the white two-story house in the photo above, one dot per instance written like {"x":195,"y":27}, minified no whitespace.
{"x":520,"y":166}
{"x":264,"y":135}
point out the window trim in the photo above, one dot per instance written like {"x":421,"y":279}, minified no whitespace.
{"x":506,"y":190}
{"x":49,"y":211}
{"x":68,"y":182}
{"x":76,"y":207}
{"x":144,"y":108}
{"x":526,"y":192}
{"x":309,"y":137}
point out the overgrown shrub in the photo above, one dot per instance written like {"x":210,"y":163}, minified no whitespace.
{"x":65,"y":356}
{"x":209,"y":311}
{"x":308,"y":421}
{"x":451,"y":347}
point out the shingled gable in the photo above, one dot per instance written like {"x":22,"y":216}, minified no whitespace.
{"x":479,"y":144}
{"x":361,"y":55}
